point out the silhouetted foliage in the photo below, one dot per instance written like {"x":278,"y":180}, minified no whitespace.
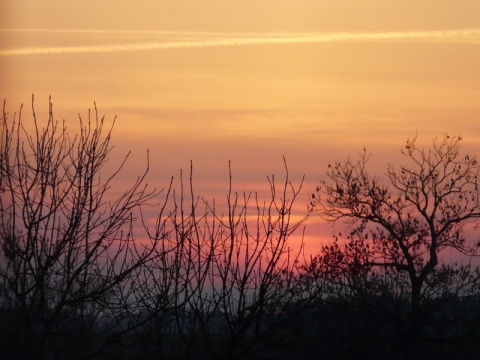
{"x":217,"y":280}
{"x":400,"y":225}
{"x":66,"y":241}
{"x":220,"y":283}
{"x":202,"y":282}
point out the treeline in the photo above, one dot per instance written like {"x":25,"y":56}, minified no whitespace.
{"x":219,"y":281}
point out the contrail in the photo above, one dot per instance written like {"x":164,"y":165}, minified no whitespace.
{"x":466,"y":35}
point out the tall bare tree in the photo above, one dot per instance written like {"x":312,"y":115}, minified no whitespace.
{"x":66,"y":239}
{"x":403,"y":222}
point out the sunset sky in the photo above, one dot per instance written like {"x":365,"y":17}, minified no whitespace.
{"x":250,"y":81}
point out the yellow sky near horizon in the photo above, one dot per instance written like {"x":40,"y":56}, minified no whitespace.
{"x":250,"y":82}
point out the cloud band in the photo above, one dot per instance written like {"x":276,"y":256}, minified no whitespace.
{"x":466,"y":35}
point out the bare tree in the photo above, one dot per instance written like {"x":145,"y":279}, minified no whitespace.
{"x":209,"y":279}
{"x":224,"y":276}
{"x":66,"y":239}
{"x":405,"y":221}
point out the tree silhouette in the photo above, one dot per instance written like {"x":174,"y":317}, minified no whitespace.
{"x":223,"y":279}
{"x":217,"y":280}
{"x":405,"y":221}
{"x":205,"y":281}
{"x":66,"y":239}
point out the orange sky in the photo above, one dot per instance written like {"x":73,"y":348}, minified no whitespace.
{"x":250,"y":81}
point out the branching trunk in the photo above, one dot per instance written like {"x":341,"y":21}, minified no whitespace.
{"x":405,"y":221}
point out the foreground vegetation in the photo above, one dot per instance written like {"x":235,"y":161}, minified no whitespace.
{"x":219,"y":281}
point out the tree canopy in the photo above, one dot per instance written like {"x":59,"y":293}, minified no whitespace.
{"x":404,"y":220}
